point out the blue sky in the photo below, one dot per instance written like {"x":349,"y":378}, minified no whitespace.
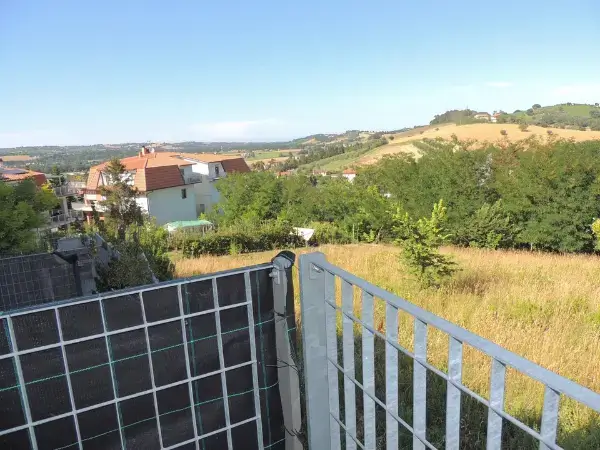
{"x":80,"y":72}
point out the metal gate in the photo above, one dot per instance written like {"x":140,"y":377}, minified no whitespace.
{"x":327,"y":429}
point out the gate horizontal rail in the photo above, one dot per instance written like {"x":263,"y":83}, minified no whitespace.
{"x":319,"y":312}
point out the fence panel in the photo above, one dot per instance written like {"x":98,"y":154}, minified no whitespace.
{"x":320,"y":307}
{"x":189,"y":364}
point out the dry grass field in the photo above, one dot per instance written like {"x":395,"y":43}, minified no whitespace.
{"x":544,"y":307}
{"x":483,"y":132}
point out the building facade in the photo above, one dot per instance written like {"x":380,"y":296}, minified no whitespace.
{"x":171,"y":186}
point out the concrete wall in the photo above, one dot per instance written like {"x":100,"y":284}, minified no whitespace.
{"x":166,"y":205}
{"x":206,"y":193}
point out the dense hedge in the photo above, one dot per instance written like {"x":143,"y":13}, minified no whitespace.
{"x":226,"y":242}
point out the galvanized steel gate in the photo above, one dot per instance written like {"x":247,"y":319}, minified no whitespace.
{"x":327,"y":429}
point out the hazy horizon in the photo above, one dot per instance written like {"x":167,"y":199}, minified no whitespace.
{"x":80,"y":74}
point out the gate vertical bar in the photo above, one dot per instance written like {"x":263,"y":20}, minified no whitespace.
{"x":314,"y":338}
{"x":289,"y":383}
{"x":332,"y":353}
{"x":494,"y":428}
{"x":419,"y":385}
{"x":349,"y":367}
{"x":368,"y":364}
{"x":549,"y":417}
{"x":391,"y":377}
{"x":455,"y":357}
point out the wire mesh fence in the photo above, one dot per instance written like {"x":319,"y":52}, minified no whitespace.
{"x":28,"y":280}
{"x":190,"y":364}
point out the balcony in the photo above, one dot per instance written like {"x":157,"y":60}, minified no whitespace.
{"x":71,"y":188}
{"x":193,"y":179}
{"x":65,"y":218}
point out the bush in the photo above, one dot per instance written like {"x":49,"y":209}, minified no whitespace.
{"x":329,"y":233}
{"x":227,"y":241}
{"x":523,"y":127}
{"x":504,"y":132}
{"x":490,"y":227}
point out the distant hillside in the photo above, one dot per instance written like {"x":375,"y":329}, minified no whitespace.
{"x":410,"y":142}
{"x":566,"y":115}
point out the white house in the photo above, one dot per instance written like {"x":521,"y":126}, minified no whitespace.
{"x":172,"y":186}
{"x":349,"y":174}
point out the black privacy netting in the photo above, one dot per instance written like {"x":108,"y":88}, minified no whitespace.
{"x":116,"y":364}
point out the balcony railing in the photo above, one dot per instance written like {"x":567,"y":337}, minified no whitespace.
{"x":66,"y":217}
{"x":71,"y":188}
{"x":192,"y":179}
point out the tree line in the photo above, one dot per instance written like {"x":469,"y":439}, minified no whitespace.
{"x":533,"y":194}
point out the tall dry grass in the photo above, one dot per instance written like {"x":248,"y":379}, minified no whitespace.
{"x":541,"y":306}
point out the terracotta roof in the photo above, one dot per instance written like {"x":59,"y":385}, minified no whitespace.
{"x":38,"y":177}
{"x":153,"y":178}
{"x":161,"y":170}
{"x":235,"y":165}
{"x":350,"y":172}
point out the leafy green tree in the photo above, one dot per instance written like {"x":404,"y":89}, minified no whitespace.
{"x":420,"y":241}
{"x":551,"y":191}
{"x":122,"y":210}
{"x":536,"y":106}
{"x":529,"y":112}
{"x":22,"y":209}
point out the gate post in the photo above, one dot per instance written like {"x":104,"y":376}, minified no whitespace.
{"x":314,"y":344}
{"x":285,"y":336}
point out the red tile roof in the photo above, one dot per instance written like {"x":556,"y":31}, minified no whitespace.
{"x":235,"y":165}
{"x":38,"y":177}
{"x":153,"y":178}
{"x":161,"y":170}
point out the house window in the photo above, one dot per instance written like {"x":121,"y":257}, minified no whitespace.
{"x":217,"y":171}
{"x":184,"y":193}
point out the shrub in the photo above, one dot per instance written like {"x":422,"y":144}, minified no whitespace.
{"x":227,"y":241}
{"x":523,"y":127}
{"x":490,"y":227}
{"x":329,"y":233}
{"x":549,"y":132}
{"x":420,"y":241}
{"x":504,"y":132}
